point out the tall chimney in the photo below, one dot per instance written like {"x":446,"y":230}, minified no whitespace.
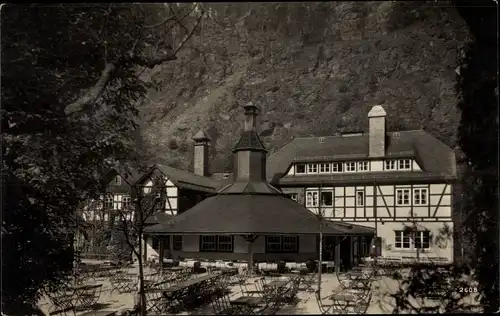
{"x":251,"y":112}
{"x":376,"y":138}
{"x":200,"y":164}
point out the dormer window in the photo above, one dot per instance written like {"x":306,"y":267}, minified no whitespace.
{"x":404,"y":164}
{"x":118,"y":180}
{"x":337,"y":167}
{"x":350,"y":166}
{"x":390,"y":165}
{"x":300,"y":168}
{"x":312,"y":168}
{"x":363,"y":166}
{"x":324,"y":168}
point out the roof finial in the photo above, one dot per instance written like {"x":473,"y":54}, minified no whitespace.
{"x":201,"y":137}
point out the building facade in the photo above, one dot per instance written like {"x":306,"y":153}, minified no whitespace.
{"x":399,"y":183}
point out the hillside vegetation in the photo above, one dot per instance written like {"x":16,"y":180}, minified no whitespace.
{"x":315,"y":69}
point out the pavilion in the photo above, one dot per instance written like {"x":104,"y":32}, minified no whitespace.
{"x":251,"y":207}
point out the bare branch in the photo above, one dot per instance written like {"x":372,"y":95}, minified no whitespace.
{"x":171,"y":18}
{"x":92,"y":94}
{"x":188,"y":36}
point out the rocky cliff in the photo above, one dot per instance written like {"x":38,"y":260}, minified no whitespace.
{"x":314,"y":69}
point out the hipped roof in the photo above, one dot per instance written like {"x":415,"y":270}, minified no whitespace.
{"x":229,"y":214}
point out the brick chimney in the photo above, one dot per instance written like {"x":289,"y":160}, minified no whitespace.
{"x":200,"y":163}
{"x":376,"y":136}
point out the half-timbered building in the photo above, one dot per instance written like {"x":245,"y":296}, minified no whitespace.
{"x":399,"y":183}
{"x":248,"y":217}
{"x":180,"y":190}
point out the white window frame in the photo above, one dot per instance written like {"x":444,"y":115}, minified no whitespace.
{"x":325,"y":168}
{"x":420,"y":196}
{"x":360,"y":193}
{"x":312,"y":198}
{"x":348,"y":165}
{"x":109,"y":201}
{"x":126,"y":201}
{"x":312,"y":168}
{"x":419,"y":235}
{"x":117,"y":180}
{"x":404,"y":202}
{"x":297,"y":169}
{"x":390,"y":165}
{"x":363,"y":166}
{"x":327,"y":192}
{"x":403,"y":235}
{"x":337,"y":167}
{"x":404,"y":164}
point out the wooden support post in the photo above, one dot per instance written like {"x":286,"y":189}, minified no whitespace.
{"x":145,"y":240}
{"x":250,"y":239}
{"x":337,"y":255}
{"x":162,"y":251}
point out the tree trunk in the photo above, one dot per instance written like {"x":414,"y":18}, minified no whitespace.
{"x":142,"y":295}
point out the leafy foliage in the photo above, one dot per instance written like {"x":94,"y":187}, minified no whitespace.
{"x":70,"y":88}
{"x":478,"y":140}
{"x":478,"y":135}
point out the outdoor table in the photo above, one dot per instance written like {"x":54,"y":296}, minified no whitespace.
{"x":341,"y":302}
{"x":185,"y":292}
{"x":124,"y":284}
{"x":86,"y":296}
{"x":155,"y":302}
{"x":245,"y":304}
{"x":174,"y":269}
{"x":99,"y":313}
{"x":277,"y":283}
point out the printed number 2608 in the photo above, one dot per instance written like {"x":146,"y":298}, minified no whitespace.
{"x":468,"y":290}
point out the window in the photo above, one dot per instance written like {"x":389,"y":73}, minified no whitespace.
{"x":282,"y":244}
{"x":402,"y":196}
{"x":293,"y":196}
{"x":404,"y":164}
{"x":402,"y":239}
{"x":126,"y":201}
{"x":208,"y":243}
{"x":312,"y":168}
{"x":326,"y":198}
{"x":156,"y":243}
{"x":225,"y":243}
{"x":422,"y":239}
{"x":273,"y":244}
{"x":108,"y":202}
{"x":420,"y":196}
{"x":363,"y":166}
{"x":300,"y":168}
{"x":350,"y":166}
{"x":213,"y":243}
{"x":337,"y":167}
{"x":360,"y":198}
{"x":390,"y":165}
{"x":177,"y":242}
{"x":312,"y":198}
{"x":118,"y":180}
{"x":324,"y":168}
